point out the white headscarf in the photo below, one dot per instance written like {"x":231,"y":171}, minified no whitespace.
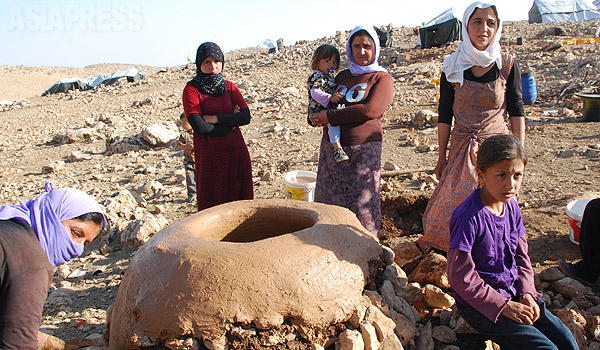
{"x":374,"y":66}
{"x":466,"y":55}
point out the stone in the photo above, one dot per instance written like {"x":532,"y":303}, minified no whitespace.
{"x":411,"y":292}
{"x":76,"y":135}
{"x":431,"y":269}
{"x":425,"y":148}
{"x":359,"y":313}
{"x":406,"y":252}
{"x":424,"y":117}
{"x":594,"y":310}
{"x":425,"y":339}
{"x":490,"y":345}
{"x":387,"y":293}
{"x":291,"y":91}
{"x":582,"y":302}
{"x":388,"y":255}
{"x":594,"y":327}
{"x":403,"y":307}
{"x":576,"y":323}
{"x":77,"y":156}
{"x":552,"y":274}
{"x":182,"y":344}
{"x":450,"y":347}
{"x":54,"y":167}
{"x":377,"y":300}
{"x":218,"y":343}
{"x":382,"y":323}
{"x":396,"y":276}
{"x":444,"y":334}
{"x":160,"y":134}
{"x":121,"y":206}
{"x":436,"y":298}
{"x":369,"y":335}
{"x":459,"y":325}
{"x":405,"y":330}
{"x":445,"y":316}
{"x":151,"y":189}
{"x":389,"y":166}
{"x":350,"y":340}
{"x":570,"y":287}
{"x":391,"y":343}
{"x":138,"y":232}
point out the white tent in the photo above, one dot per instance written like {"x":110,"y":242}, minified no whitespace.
{"x":549,"y":11}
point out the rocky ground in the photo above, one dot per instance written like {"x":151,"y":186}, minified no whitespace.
{"x":104,"y":141}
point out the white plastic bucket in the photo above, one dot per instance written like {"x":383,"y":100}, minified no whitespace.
{"x":300,"y":185}
{"x":575,"y":215}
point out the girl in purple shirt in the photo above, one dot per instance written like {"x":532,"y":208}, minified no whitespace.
{"x":488,"y":267}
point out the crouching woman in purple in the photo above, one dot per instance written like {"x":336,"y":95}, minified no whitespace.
{"x":488,"y":267}
{"x":35,"y":236}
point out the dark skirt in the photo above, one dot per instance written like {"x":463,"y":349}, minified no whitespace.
{"x":223,"y":169}
{"x":354,"y":184}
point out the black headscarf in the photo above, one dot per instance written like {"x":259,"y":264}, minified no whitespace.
{"x":208,"y":83}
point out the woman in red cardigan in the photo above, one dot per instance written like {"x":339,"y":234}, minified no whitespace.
{"x":216,"y":109}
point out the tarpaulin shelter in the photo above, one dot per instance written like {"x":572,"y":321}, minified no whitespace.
{"x":272,"y":45}
{"x":64,"y":85}
{"x":442,"y":30}
{"x":386,"y":36}
{"x":549,"y":11}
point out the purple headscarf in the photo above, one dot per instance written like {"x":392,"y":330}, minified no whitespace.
{"x":45,"y":215}
{"x":374,"y":66}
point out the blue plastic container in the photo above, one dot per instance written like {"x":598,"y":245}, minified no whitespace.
{"x":528,"y":88}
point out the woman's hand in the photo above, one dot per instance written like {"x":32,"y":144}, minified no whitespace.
{"x":319,"y":119}
{"x":439,"y":167}
{"x":520,"y":313}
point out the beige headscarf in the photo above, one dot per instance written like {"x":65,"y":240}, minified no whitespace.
{"x":466,"y":55}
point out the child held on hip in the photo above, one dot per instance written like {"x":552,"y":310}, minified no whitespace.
{"x":321,"y":92}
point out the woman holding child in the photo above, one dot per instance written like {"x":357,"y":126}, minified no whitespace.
{"x":216,"y":109}
{"x":367,"y":91}
{"x":479,"y":85}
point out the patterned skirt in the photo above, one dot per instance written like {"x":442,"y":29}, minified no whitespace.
{"x":354,"y":184}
